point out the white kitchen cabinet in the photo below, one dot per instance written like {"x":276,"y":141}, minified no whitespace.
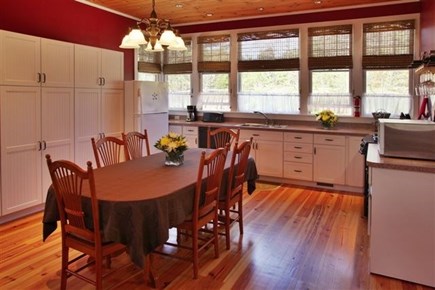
{"x":267,"y":150}
{"x":99,"y":98}
{"x":97,"y":112}
{"x":354,"y":162}
{"x":176,"y":129}
{"x":402,"y":232}
{"x":329,"y":159}
{"x":298,"y":156}
{"x":191,"y":134}
{"x":98,"y":68}
{"x":34,"y":122}
{"x":32,"y":61}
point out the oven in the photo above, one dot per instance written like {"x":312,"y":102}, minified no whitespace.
{"x":365,"y":141}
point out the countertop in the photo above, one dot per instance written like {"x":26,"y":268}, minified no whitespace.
{"x":307,"y":127}
{"x":378,"y":161}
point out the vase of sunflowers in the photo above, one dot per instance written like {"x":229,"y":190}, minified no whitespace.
{"x":327,"y":118}
{"x":174,"y":146}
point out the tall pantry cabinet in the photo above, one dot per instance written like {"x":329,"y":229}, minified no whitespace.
{"x":99,"y":98}
{"x":37,"y":115}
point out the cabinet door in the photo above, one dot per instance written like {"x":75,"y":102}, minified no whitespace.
{"x":329,"y":164}
{"x":269,"y":157}
{"x":112,"y":112}
{"x":87,"y":123}
{"x":57,"y":63}
{"x":87,"y":66}
{"x":112,"y":69}
{"x":20,"y":59}
{"x":354,"y":162}
{"x":176,"y":129}
{"x":57,"y":115}
{"x":191,"y":134}
{"x":20,"y":148}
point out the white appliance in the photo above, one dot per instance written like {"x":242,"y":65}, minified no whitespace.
{"x":146,"y":107}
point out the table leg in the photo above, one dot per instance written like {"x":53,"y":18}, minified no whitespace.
{"x":149,"y":271}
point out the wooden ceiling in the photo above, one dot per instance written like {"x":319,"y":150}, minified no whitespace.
{"x":184,"y":12}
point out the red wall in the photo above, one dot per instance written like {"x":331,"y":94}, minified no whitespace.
{"x":70,"y":21}
{"x":427,"y":25}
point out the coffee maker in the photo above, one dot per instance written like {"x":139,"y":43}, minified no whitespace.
{"x":191,"y":114}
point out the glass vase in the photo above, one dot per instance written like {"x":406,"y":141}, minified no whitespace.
{"x":327,"y":126}
{"x":174,"y":159}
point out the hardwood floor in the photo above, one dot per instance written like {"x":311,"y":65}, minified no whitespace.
{"x":294,"y":238}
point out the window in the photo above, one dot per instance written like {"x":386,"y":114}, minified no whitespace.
{"x":214,"y":91}
{"x":387,"y":52}
{"x":330,"y":61}
{"x":177,"y":68}
{"x":214,"y":69}
{"x":268,"y":66}
{"x":330,"y":90}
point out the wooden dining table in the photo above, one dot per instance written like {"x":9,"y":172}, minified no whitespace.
{"x":141,"y":199}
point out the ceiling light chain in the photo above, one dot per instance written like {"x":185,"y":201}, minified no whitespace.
{"x":157,"y":35}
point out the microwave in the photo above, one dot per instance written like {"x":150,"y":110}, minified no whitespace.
{"x":407,"y":138}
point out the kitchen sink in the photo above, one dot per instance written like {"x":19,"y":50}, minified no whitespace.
{"x":261,"y":125}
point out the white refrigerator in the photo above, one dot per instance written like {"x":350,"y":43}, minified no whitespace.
{"x":146,"y":107}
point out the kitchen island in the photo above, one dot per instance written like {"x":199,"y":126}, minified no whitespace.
{"x":402,"y":217}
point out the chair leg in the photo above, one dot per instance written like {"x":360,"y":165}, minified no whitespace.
{"x":99,"y":271}
{"x":240,"y":212}
{"x":227,"y":227}
{"x":195,"y":252}
{"x":215,"y":237}
{"x":63,"y":275}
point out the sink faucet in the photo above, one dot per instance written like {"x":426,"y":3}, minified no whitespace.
{"x":268,"y":120}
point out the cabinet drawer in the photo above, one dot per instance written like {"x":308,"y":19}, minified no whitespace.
{"x":298,"y":147}
{"x":325,"y":139}
{"x":300,"y":171}
{"x":298,"y":157}
{"x":261,"y":135}
{"x":190,"y":130}
{"x":298,"y":137}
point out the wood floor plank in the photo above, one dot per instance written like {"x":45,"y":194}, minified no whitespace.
{"x":294,"y":238}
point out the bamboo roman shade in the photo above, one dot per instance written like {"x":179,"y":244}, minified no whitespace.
{"x":176,"y":61}
{"x":388,"y":45}
{"x":214,"y":53}
{"x":330,"y":47}
{"x":268,"y":50}
{"x":149,"y":62}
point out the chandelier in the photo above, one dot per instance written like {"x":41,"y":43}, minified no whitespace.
{"x":157,"y":35}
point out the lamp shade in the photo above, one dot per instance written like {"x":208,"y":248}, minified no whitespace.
{"x":127,"y":43}
{"x":167,"y":37}
{"x":137,"y":36}
{"x":178,"y":44}
{"x":157,"y":47}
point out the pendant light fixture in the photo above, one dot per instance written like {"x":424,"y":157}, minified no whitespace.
{"x":157,"y":35}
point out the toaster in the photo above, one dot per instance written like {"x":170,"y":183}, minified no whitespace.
{"x":213,"y":117}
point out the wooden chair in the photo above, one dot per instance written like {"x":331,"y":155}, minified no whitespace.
{"x":232,"y":204}
{"x":221,"y":136}
{"x":68,"y":182}
{"x":110,"y":150}
{"x":204,"y":209}
{"x":135,"y":141}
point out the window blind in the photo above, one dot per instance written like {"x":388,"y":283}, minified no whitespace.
{"x":214,"y":53}
{"x":268,"y":50}
{"x":330,"y":47}
{"x":388,"y":45}
{"x":175,"y":61}
{"x":148,"y":62}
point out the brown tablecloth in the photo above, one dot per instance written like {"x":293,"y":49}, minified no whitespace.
{"x":141,"y":199}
